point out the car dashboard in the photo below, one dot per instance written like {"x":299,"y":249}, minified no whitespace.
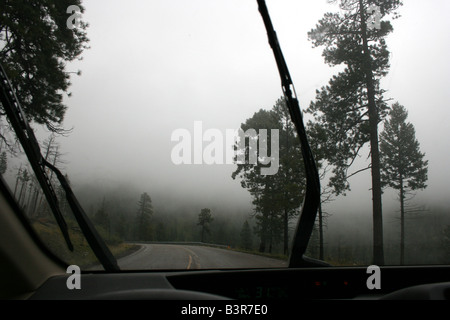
{"x":424,"y":283}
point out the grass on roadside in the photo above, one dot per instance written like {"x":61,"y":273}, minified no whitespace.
{"x":82,"y":255}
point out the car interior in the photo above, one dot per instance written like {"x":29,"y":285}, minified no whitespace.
{"x":30,"y":271}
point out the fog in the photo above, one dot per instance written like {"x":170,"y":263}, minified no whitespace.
{"x":157,"y":66}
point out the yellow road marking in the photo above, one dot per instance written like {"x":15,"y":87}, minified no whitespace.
{"x":192,"y":257}
{"x":190,"y":261}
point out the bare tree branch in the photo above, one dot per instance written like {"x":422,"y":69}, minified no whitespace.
{"x":358,"y":171}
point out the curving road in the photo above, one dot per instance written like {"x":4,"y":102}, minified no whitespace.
{"x":176,"y":256}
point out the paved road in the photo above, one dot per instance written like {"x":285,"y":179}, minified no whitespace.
{"x":175,"y":256}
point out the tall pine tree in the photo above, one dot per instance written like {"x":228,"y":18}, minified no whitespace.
{"x":403,"y":167}
{"x":144,"y":230}
{"x":276,"y":197}
{"x":350,"y":108}
{"x":101,"y":217}
{"x":35,"y":45}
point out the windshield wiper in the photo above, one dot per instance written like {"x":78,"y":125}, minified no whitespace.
{"x":312,"y":196}
{"x":30,"y":145}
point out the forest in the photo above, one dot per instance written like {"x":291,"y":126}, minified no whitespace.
{"x":124,"y":214}
{"x":349,"y":119}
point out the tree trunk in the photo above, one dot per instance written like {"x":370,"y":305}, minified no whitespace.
{"x":21,"y":193}
{"x":378,"y":252}
{"x":264,"y":232}
{"x":285,"y":226}
{"x":17,"y":181}
{"x":320,"y":233}
{"x":30,"y":200}
{"x":35,"y":201}
{"x":262,"y":245}
{"x":286,"y":200}
{"x":270,"y":243}
{"x":402,"y":223}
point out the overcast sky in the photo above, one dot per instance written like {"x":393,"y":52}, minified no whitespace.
{"x":157,"y":66}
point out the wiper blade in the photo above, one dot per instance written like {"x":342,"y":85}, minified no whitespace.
{"x":312,"y":196}
{"x":96,"y":242}
{"x":30,"y":145}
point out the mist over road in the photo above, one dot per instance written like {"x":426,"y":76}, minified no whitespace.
{"x":176,"y":256}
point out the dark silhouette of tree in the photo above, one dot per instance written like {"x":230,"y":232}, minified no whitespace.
{"x":291,"y":177}
{"x":144,"y":230}
{"x":246,"y":236}
{"x":204,"y":220}
{"x":101,"y":217}
{"x":18,"y":175}
{"x":61,"y":193}
{"x":276,"y":197}
{"x":317,"y":137}
{"x":259,"y":186}
{"x":121,"y":226}
{"x":403,"y":166}
{"x":51,"y":153}
{"x":35,"y":44}
{"x":24,"y":179}
{"x":3,"y":162}
{"x":446,"y":242}
{"x":351,"y":106}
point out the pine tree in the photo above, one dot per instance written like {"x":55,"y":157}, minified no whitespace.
{"x":101,"y":217}
{"x":121,"y":226}
{"x":3,"y":162}
{"x":350,"y":108}
{"x":144,"y":230}
{"x":276,"y":197}
{"x":246,"y":236}
{"x":35,"y":45}
{"x":403,"y":165}
{"x":25,"y":177}
{"x":204,"y":220}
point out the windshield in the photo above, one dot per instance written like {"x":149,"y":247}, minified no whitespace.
{"x":168,"y":120}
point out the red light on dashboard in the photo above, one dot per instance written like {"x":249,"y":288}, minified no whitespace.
{"x":317,"y":283}
{"x":345,"y":283}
